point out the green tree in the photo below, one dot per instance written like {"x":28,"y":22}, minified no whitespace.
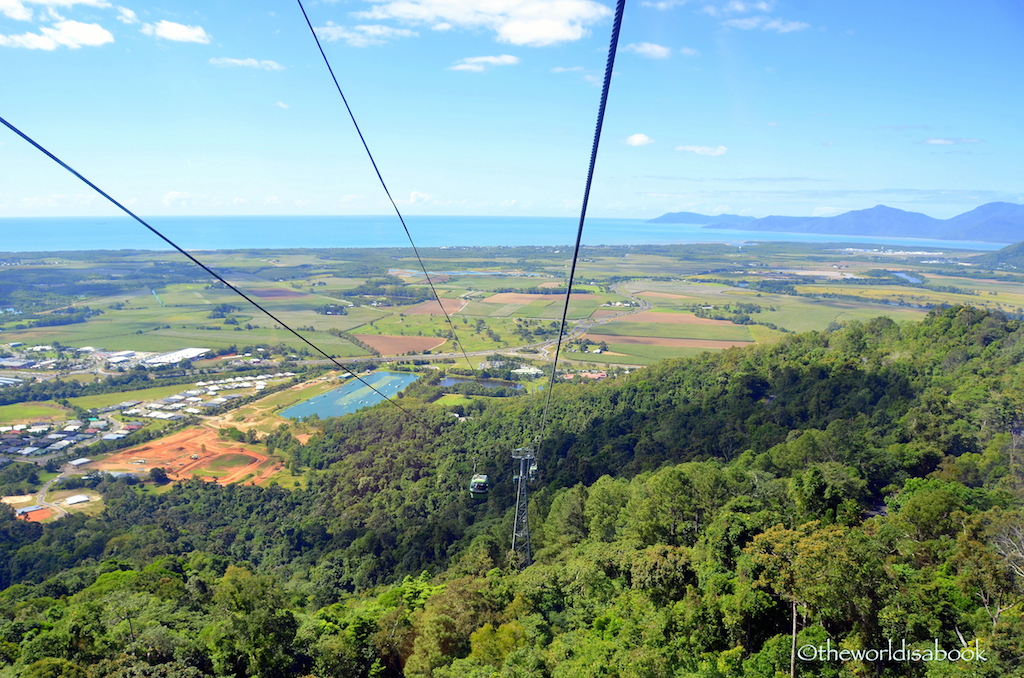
{"x":255,"y":633}
{"x":53,"y":668}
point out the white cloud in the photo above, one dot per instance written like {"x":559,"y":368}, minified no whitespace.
{"x":281,"y":104}
{"x":482,"y":63}
{"x":563,"y":69}
{"x":417,"y":198}
{"x":639,"y":140}
{"x":663,"y":4}
{"x":766,"y":24}
{"x":363,"y":36}
{"x":126,"y":16}
{"x":704,"y":150}
{"x":689,"y":51}
{"x":17,"y":9}
{"x":266,"y":64}
{"x":950,"y":142}
{"x":649,"y":50}
{"x":771,"y":124}
{"x":71,"y":34}
{"x":169,"y":30}
{"x":519,"y":22}
{"x":12,"y":9}
{"x":172,"y":197}
{"x":737,"y":7}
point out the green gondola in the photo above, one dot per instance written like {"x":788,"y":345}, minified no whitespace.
{"x":479,"y":486}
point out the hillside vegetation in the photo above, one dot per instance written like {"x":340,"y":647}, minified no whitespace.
{"x":850,"y":487}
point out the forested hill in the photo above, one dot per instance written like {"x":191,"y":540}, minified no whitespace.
{"x":862,"y":482}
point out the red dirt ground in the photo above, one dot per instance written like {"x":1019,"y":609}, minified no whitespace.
{"x":664,"y":341}
{"x":432,"y":308}
{"x":277,"y":293}
{"x":670,"y":318}
{"x":38,"y":516}
{"x":174,"y":454}
{"x":389,"y":344}
{"x":520,"y":298}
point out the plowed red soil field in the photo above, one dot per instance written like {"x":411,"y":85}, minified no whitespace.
{"x":389,"y":344}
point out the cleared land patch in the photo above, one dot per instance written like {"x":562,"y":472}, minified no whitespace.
{"x":521,"y":298}
{"x":278,"y":293}
{"x":23,"y":413}
{"x":668,"y":341}
{"x":723,"y":332}
{"x":663,"y":295}
{"x":432,"y":307}
{"x":389,"y":344}
{"x":38,"y":516}
{"x":194,"y":452}
{"x":672,"y":318}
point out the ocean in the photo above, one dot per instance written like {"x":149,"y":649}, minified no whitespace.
{"x":54,"y":234}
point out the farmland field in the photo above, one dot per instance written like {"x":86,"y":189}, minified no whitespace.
{"x":722,"y":332}
{"x":24,"y":413}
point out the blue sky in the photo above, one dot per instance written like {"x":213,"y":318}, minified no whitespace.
{"x":488,"y":106}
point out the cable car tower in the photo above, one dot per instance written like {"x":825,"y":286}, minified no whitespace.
{"x":521,"y":555}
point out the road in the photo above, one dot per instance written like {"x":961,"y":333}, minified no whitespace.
{"x":42,"y":495}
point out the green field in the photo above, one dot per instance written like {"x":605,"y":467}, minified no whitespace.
{"x":93,"y":507}
{"x":636,"y":354}
{"x":673,"y":331}
{"x":293,"y":284}
{"x":107,"y":399}
{"x":24,"y":413}
{"x":227,"y":462}
{"x":449,"y":399}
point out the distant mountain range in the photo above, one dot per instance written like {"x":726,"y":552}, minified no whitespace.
{"x":993,"y":222}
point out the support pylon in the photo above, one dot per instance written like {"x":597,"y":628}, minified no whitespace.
{"x":521,"y":555}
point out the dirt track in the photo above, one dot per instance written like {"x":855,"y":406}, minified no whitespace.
{"x":175,"y":453}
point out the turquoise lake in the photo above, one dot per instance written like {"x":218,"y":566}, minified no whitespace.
{"x":352,"y":396}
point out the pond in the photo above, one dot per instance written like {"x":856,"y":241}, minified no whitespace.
{"x":908,"y":278}
{"x":487,"y":383}
{"x":352,"y":396}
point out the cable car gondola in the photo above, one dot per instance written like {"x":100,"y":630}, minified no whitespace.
{"x":479,"y":486}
